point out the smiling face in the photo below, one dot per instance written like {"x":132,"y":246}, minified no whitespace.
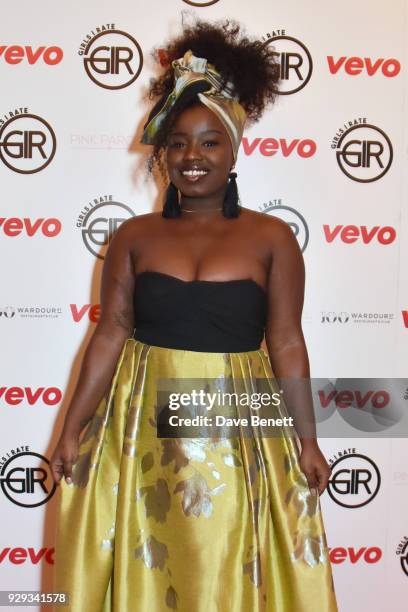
{"x":199,"y":153}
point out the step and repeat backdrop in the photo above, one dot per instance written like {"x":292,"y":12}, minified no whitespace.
{"x":329,"y":157}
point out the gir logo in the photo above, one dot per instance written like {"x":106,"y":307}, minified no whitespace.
{"x":294,"y":59}
{"x":99,"y":220}
{"x":27,"y":142}
{"x":292,"y":217}
{"x":113,"y":59}
{"x":26,"y":479}
{"x":364,"y":152}
{"x":202,"y":3}
{"x":402,"y":553}
{"x":355,"y":480}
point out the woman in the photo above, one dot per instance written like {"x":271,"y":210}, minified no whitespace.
{"x":214,"y":523}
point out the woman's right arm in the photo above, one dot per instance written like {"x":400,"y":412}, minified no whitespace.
{"x":115,"y":325}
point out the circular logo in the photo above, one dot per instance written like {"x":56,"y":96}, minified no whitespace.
{"x":404,"y":558}
{"x":293,"y":218}
{"x":26,"y":480}
{"x":100,"y":223}
{"x":364,"y":153}
{"x":354,"y":482}
{"x":113,"y":59}
{"x":27,"y":143}
{"x":296,"y":65}
{"x":198,"y":3}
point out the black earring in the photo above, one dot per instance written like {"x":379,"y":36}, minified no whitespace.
{"x":171,"y":206}
{"x":231,"y":207}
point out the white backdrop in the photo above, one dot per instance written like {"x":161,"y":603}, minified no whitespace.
{"x":329,"y":157}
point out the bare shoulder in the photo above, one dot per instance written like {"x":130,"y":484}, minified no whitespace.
{"x":269,"y":229}
{"x":137,"y":226}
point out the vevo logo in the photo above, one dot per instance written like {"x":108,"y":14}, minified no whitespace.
{"x":16,"y":395}
{"x":353,"y":233}
{"x":369,"y":555}
{"x":347,"y":398}
{"x":15,"y":54}
{"x":93,"y":312}
{"x":271,"y":146}
{"x":18,"y":555}
{"x":357,"y":65}
{"x":14,"y":226}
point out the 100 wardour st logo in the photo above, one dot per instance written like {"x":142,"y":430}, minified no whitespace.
{"x":99,"y":220}
{"x":112,"y":58}
{"x":343,"y":317}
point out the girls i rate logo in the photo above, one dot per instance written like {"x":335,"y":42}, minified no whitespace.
{"x":364,"y":152}
{"x":112,"y":58}
{"x":98,"y":222}
{"x":402,"y":554}
{"x":26,"y":478}
{"x":201,"y":3}
{"x":355,"y":479}
{"x":294,"y":61}
{"x":292,"y":217}
{"x":27,"y":141}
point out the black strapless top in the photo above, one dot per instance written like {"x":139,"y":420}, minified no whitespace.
{"x":199,"y":315}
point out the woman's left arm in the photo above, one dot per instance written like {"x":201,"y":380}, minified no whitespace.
{"x":287,"y":348}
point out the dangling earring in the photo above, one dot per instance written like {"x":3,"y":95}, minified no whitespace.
{"x":171,"y":206}
{"x":231,"y":207}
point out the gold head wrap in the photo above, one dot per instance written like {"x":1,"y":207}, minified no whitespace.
{"x":222,"y":101}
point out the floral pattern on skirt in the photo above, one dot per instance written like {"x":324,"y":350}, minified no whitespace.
{"x":189,"y":524}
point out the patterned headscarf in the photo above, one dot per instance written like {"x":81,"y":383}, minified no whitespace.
{"x":222,"y":101}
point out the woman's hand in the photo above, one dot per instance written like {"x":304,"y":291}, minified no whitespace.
{"x":64,"y":456}
{"x":315,"y":467}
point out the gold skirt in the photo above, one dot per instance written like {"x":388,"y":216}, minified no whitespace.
{"x":151,"y":524}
